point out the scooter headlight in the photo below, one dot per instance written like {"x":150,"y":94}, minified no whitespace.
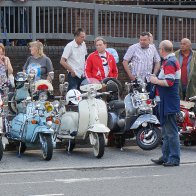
{"x":43,"y":96}
{"x":48,"y":106}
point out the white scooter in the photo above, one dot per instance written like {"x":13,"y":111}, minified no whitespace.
{"x":90,"y":121}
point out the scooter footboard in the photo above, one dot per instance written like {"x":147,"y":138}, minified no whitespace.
{"x":41,"y":129}
{"x":148,"y":118}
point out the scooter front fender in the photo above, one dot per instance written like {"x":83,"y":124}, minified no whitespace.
{"x":98,"y":128}
{"x":43,"y":130}
{"x":148,"y":118}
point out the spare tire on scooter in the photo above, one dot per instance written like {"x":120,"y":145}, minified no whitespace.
{"x":148,"y":138}
{"x":115,"y":86}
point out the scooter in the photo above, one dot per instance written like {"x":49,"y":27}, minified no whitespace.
{"x":132,"y":117}
{"x":90,"y":121}
{"x":32,"y":125}
{"x":187,"y":121}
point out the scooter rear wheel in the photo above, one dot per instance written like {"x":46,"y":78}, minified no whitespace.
{"x":148,"y":142}
{"x":1,"y":149}
{"x":47,"y":147}
{"x":99,"y":146}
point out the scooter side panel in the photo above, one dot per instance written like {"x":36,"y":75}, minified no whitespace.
{"x":102,"y":112}
{"x":17,"y":127}
{"x":84,"y":117}
{"x":144,"y":118}
{"x":69,"y":122}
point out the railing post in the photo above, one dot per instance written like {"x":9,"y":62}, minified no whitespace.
{"x":159,"y":27}
{"x":33,"y":22}
{"x":96,"y":16}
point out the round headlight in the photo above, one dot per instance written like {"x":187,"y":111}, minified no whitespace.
{"x":43,"y":96}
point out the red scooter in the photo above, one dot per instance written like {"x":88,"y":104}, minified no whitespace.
{"x":187,"y":121}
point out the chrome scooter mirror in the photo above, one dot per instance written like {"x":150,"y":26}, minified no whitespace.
{"x":26,"y":85}
{"x":51,"y":75}
{"x":31,"y":76}
{"x":61,"y":78}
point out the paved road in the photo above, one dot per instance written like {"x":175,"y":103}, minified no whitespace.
{"x":83,"y":158}
{"x":118,"y":173}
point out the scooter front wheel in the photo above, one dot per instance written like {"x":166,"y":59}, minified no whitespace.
{"x":98,"y":147}
{"x":47,"y":147}
{"x":1,"y":149}
{"x":148,"y":138}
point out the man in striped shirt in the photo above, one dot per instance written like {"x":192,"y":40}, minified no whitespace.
{"x":143,"y":56}
{"x":168,"y":84}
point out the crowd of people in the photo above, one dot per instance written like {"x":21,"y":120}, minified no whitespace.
{"x":173,"y":75}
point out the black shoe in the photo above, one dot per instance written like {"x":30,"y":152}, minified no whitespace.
{"x":158,"y":161}
{"x":168,"y":164}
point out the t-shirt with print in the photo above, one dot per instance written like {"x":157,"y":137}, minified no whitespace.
{"x":40,"y":66}
{"x":104,"y":63}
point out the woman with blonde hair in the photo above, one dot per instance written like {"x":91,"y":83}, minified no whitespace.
{"x":5,"y":64}
{"x":38,"y":62}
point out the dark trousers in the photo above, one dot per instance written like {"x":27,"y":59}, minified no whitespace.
{"x":74,"y":82}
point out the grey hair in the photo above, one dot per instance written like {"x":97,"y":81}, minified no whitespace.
{"x":100,"y":39}
{"x":167,"y":46}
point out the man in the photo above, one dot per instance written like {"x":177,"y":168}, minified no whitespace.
{"x":73,"y":59}
{"x":168,"y":84}
{"x":142,"y":56}
{"x":100,"y":64}
{"x":187,"y":58}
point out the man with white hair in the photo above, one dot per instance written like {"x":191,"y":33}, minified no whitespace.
{"x":187,"y":59}
{"x":168,"y":83}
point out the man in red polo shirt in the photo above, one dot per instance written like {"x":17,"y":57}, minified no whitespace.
{"x":187,"y":59}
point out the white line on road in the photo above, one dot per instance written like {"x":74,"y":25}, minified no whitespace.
{"x":73,"y":180}
{"x":49,"y":195}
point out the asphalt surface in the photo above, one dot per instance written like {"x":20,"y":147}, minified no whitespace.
{"x":83,"y":158}
{"x":118,"y":173}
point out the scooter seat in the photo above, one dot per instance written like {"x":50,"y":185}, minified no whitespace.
{"x":116,"y":104}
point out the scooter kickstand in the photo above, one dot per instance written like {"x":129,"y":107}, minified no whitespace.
{"x":19,"y":154}
{"x":68,"y":150}
{"x":121,"y":149}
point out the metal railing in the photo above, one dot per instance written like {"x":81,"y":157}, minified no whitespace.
{"x":118,"y":24}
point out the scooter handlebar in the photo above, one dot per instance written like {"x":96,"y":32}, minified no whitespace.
{"x":192,"y":98}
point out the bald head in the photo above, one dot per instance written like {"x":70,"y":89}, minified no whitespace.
{"x":185,"y":45}
{"x":167,"y":46}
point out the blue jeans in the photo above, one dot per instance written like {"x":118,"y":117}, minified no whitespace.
{"x":171,"y":142}
{"x":74,"y":82}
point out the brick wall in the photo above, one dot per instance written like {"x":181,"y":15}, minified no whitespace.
{"x":19,"y":54}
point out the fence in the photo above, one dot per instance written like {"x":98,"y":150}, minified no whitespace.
{"x":118,"y":24}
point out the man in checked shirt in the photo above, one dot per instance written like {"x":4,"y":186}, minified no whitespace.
{"x":144,"y":58}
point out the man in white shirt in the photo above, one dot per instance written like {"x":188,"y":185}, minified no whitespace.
{"x":73,"y":59}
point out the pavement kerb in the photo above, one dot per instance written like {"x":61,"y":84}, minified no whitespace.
{"x":86,"y":168}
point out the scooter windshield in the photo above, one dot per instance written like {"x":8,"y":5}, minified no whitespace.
{"x":90,"y":84}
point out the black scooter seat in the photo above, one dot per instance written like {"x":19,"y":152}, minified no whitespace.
{"x":116,"y":104}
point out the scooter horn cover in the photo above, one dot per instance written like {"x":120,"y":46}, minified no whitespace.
{"x":73,"y":96}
